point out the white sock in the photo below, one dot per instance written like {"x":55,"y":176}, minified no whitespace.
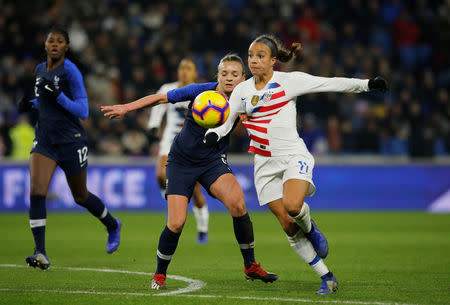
{"x":303,"y":247}
{"x":319,"y":266}
{"x":202,"y":217}
{"x":303,"y":219}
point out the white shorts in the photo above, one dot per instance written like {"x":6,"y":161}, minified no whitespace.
{"x":272,"y":172}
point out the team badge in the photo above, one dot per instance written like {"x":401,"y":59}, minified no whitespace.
{"x":267,"y":96}
{"x":255,"y":100}
{"x":56,"y":82}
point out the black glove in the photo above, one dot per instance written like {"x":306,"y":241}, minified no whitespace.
{"x":378,"y":83}
{"x":211,"y":139}
{"x":24,"y":105}
{"x":48,"y":87}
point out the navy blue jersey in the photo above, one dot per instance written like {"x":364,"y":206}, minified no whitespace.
{"x":188,"y":145}
{"x":59,"y":118}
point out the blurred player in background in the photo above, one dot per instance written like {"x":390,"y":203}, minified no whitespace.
{"x":190,"y":160}
{"x":175,"y":114}
{"x":60,"y":140}
{"x":283,"y":164}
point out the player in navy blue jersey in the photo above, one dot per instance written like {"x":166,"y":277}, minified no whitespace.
{"x":190,"y":160}
{"x":60,"y":140}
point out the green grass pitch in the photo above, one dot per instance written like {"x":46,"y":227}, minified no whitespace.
{"x":378,"y":258}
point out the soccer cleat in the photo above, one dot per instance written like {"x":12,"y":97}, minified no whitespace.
{"x":38,"y":260}
{"x":159,"y":282}
{"x":329,"y":284}
{"x":202,"y":238}
{"x":318,"y":240}
{"x":255,"y":272}
{"x":114,"y":238}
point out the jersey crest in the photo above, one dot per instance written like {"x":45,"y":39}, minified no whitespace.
{"x":56,"y":82}
{"x":266,"y":97}
{"x":255,"y":100}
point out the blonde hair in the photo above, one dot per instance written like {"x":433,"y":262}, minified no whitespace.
{"x":232,"y":57}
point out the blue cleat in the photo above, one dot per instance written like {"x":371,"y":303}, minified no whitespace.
{"x":114,"y":238}
{"x":329,"y":284}
{"x":202,"y":238}
{"x":38,"y":260}
{"x":318,"y":240}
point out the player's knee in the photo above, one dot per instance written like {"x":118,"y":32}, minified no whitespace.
{"x":176,"y":226}
{"x":161,"y":181}
{"x":293,"y":206}
{"x":80,"y":198}
{"x":199,"y":203}
{"x":37,"y":188}
{"x":237,"y":207}
{"x":199,"y":200}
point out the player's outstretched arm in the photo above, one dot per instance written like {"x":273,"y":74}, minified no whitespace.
{"x":118,"y":111}
{"x":316,"y":84}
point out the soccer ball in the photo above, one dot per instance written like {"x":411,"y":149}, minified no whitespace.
{"x":210,"y":109}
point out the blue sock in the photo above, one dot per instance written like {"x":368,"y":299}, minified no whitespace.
{"x":243,"y":230}
{"x":168,"y":242}
{"x":94,"y":205}
{"x":38,"y":219}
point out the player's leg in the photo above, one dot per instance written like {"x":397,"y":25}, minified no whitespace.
{"x":161,"y":165}
{"x":201,"y":214}
{"x":294,"y":193}
{"x":168,"y":240}
{"x":41,"y":172}
{"x":303,"y":247}
{"x":181,"y":180}
{"x":227,"y":189}
{"x":81,"y":195}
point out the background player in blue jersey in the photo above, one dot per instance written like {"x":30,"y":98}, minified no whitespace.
{"x":61,"y":102}
{"x":190,"y":160}
{"x":175,"y":113}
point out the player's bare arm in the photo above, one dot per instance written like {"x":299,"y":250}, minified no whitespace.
{"x":118,"y":111}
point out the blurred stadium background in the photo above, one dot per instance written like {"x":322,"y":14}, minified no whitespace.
{"x":374,"y":151}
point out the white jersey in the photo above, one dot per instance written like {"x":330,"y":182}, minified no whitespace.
{"x":174,"y":119}
{"x":272,"y":113}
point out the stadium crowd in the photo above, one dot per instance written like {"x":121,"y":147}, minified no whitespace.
{"x":128,"y":49}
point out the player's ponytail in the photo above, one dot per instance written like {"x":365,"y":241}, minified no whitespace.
{"x":277,"y":49}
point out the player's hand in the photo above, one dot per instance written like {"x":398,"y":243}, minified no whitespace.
{"x":114,"y":111}
{"x":378,"y":83}
{"x":47,"y":86}
{"x":24,"y":105}
{"x":243,"y":117}
{"x":211,"y":139}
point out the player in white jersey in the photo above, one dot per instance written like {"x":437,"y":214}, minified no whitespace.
{"x":175,"y":115}
{"x":283,"y":169}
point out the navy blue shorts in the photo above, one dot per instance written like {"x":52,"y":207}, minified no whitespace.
{"x":71,"y":157}
{"x":181,"y":178}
